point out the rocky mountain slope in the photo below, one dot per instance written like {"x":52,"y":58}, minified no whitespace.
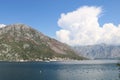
{"x":99,"y":51}
{"x":21,"y":42}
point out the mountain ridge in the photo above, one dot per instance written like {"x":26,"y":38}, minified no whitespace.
{"x":21,"y":42}
{"x":99,"y":51}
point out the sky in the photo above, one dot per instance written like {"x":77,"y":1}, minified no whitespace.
{"x":75,"y":22}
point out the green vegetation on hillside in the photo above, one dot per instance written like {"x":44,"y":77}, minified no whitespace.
{"x":20,"y":42}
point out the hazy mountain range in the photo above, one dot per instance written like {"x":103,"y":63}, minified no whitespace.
{"x":99,"y":51}
{"x":21,"y":42}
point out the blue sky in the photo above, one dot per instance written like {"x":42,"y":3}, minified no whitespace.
{"x":43,"y":15}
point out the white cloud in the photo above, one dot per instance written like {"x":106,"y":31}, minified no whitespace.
{"x":63,"y":35}
{"x":2,"y":25}
{"x":81,"y":27}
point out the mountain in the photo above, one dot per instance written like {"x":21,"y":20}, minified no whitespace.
{"x":100,"y":51}
{"x":21,"y":42}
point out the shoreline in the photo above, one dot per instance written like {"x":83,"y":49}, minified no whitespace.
{"x":70,"y":61}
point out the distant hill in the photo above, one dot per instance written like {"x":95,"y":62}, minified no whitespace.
{"x":100,"y":51}
{"x":21,"y":42}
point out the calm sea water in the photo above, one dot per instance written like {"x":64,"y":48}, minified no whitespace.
{"x":74,"y":70}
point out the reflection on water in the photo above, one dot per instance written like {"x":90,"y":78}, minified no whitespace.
{"x":119,"y":70}
{"x":59,"y":71}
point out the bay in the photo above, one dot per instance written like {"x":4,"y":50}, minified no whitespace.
{"x":61,"y":70}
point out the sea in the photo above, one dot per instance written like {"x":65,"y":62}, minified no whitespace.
{"x":60,"y":70}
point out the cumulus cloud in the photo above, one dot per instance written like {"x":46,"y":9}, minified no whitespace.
{"x":81,"y":27}
{"x":2,"y":25}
